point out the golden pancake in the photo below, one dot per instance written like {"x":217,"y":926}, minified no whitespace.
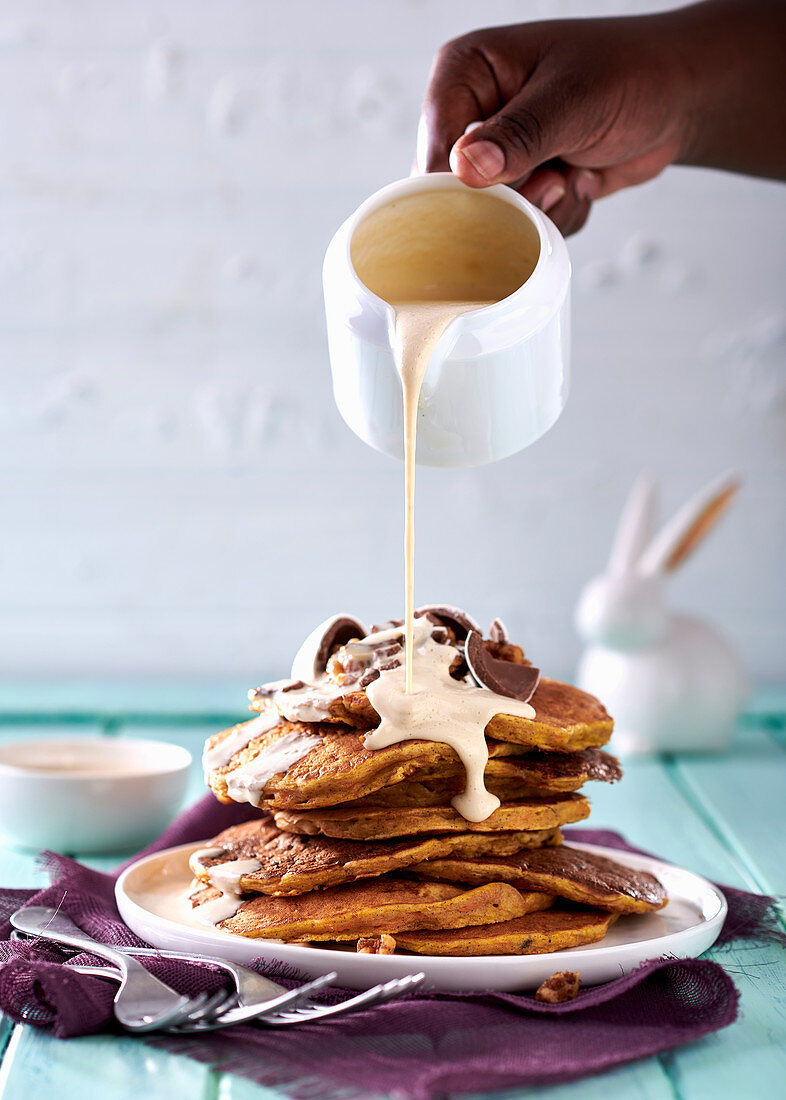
{"x":381,"y":823}
{"x":337,"y":769}
{"x":535,"y":769}
{"x":560,"y":772}
{"x":537,"y":934}
{"x":383,"y":905}
{"x":565,"y":871}
{"x":436,"y":792}
{"x":510,"y":778}
{"x":292,"y":864}
{"x":566,"y":720}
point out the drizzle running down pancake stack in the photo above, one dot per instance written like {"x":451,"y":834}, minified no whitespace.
{"x":426,"y":822}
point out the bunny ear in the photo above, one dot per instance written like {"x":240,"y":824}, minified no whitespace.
{"x":636,"y":526}
{"x":680,"y":537}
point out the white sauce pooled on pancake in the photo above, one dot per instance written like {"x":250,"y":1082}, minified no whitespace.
{"x":224,"y":877}
{"x":310,"y":703}
{"x":220,"y":755}
{"x":247,"y":783}
{"x":439,"y":708}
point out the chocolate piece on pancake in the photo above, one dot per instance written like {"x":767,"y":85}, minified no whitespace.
{"x":457,"y":622}
{"x":381,"y":823}
{"x":498,"y":632}
{"x":312,"y":658}
{"x":565,"y":871}
{"x":566,"y":720}
{"x":535,"y":934}
{"x":504,"y":677}
{"x":388,"y":905}
{"x":293,"y":864}
{"x":334,"y":767}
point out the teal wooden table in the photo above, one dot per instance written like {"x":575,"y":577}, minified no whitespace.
{"x":724,"y":817}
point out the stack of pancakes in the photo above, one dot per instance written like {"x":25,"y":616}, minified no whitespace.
{"x":361,"y":845}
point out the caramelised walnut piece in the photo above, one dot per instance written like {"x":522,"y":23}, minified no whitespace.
{"x":506,"y":651}
{"x":560,"y":987}
{"x":352,"y":663}
{"x":376,"y":945}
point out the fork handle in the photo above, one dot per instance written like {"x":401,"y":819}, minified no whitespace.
{"x":106,"y":972}
{"x":52,"y":924}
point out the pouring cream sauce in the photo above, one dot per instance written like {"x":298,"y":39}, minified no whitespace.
{"x":439,"y":708}
{"x":419,"y":328}
{"x":433,"y":256}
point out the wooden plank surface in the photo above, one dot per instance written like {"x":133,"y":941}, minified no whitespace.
{"x":110,"y":1067}
{"x":716,"y":815}
{"x":742,"y":794}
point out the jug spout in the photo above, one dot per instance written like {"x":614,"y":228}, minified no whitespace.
{"x":499,"y":375}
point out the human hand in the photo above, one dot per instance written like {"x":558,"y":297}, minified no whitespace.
{"x":572,"y":110}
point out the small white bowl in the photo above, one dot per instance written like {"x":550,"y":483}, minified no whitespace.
{"x":89,"y":794}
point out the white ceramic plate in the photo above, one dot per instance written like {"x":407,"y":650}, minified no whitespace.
{"x":151,"y":896}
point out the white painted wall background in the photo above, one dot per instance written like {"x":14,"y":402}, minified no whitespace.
{"x":179,"y":495}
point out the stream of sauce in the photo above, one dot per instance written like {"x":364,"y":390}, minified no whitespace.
{"x":434,"y":255}
{"x":419,"y":327}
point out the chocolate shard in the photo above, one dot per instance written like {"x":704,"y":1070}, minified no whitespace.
{"x":498,"y":632}
{"x":502,"y":677}
{"x":267,"y":691}
{"x":340,"y":630}
{"x":312,"y":658}
{"x":456,"y":620}
{"x":390,"y":624}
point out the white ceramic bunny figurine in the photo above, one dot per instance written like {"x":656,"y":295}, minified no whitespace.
{"x":672,"y":683}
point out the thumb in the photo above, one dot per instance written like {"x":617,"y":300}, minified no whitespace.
{"x":535,"y":126}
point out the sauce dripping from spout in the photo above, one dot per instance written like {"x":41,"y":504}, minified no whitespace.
{"x":419,"y":328}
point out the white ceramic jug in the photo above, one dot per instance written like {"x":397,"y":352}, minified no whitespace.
{"x":499,"y":376}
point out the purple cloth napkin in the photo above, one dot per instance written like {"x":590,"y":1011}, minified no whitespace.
{"x":415,"y":1048}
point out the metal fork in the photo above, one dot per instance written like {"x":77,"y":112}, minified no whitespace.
{"x":143,"y":1003}
{"x":304,"y":1014}
{"x":252,"y":990}
{"x":260,"y":995}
